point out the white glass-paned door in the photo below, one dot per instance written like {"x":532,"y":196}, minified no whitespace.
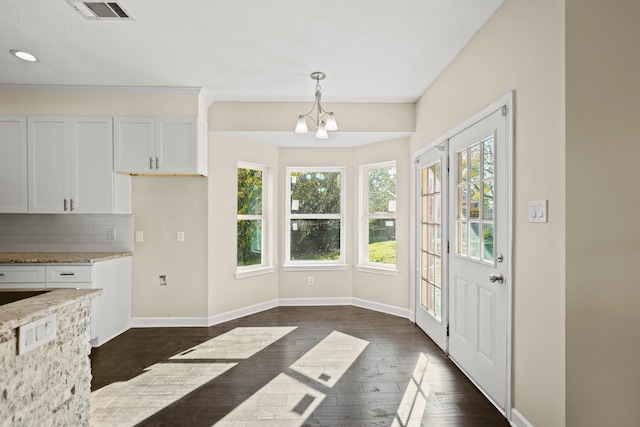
{"x":431,"y":247}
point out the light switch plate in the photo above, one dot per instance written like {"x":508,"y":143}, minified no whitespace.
{"x":111,"y":234}
{"x":37,"y":333}
{"x":538,"y":210}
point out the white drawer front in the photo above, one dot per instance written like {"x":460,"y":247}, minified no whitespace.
{"x":69,"y":274}
{"x":22,"y":274}
{"x":69,"y":285}
{"x":22,"y":285}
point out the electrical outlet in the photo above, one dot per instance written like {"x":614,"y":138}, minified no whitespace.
{"x":111,"y":234}
{"x":139,"y":236}
{"x":180,"y":236}
{"x":310,"y":281}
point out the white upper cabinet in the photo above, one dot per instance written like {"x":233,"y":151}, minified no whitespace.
{"x":70,"y":162}
{"x":160,"y":146}
{"x":91,"y":177}
{"x":48,"y":162}
{"x":13,"y":164}
{"x":134,"y":144}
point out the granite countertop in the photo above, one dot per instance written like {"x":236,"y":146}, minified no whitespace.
{"x":59,"y":257}
{"x":25,"y":311}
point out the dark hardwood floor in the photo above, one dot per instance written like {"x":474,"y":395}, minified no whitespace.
{"x":289,"y":366}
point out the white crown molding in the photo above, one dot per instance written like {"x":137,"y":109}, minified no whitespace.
{"x":186,"y":90}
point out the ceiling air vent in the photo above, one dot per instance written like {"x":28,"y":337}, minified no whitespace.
{"x":100,"y":10}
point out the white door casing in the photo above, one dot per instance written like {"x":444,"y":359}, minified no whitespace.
{"x":477,"y":310}
{"x":431,"y":246}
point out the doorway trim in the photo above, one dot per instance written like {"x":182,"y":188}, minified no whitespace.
{"x":505,"y":101}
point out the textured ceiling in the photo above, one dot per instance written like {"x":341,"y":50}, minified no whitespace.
{"x":244,"y":50}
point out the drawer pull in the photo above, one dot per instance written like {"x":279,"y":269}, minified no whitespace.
{"x":67,"y":274}
{"x":1,"y":274}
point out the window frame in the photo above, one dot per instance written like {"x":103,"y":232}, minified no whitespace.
{"x":363,"y":241}
{"x":266,"y":264}
{"x":293,"y":265}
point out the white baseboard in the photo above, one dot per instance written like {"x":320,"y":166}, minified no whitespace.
{"x":382,"y":308}
{"x":168,"y":322}
{"x":303,"y":302}
{"x":242,"y":312}
{"x":518,"y":420}
{"x":172,"y":322}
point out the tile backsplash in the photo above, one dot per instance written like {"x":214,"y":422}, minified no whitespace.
{"x":65,"y":233}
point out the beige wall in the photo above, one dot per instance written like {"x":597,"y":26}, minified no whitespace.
{"x":521,"y":48}
{"x":226,"y":293}
{"x":378,"y":288}
{"x":162,"y":206}
{"x":603,"y":151}
{"x":99,"y":104}
{"x":281,"y":116}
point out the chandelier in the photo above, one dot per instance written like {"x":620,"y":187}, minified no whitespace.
{"x":324,"y":120}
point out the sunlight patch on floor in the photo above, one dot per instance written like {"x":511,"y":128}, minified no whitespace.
{"x":239,"y":343}
{"x":125,"y":404}
{"x":414,"y":400}
{"x":302,"y":390}
{"x":330,"y":359}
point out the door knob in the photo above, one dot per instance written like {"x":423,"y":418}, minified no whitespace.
{"x":496,"y":278}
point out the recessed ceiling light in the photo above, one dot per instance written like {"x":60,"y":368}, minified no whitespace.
{"x":25,"y":56}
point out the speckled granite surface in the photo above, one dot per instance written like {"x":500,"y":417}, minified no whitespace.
{"x":27,"y":310}
{"x":59,"y":257}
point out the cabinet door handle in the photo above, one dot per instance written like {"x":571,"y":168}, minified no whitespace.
{"x":150,"y":162}
{"x":1,"y":274}
{"x":65,"y":205}
{"x":72,"y":205}
{"x":67,"y":274}
{"x":157,"y":163}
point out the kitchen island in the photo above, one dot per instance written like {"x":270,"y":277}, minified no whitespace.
{"x":48,"y":383}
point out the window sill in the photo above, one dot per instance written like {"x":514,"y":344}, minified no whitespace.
{"x":254,"y":272}
{"x":377,"y":270}
{"x":307,"y":267}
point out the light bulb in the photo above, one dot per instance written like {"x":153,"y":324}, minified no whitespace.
{"x":301,"y":126}
{"x":322,"y":132}
{"x":331,"y":122}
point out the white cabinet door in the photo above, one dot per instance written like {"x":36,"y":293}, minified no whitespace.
{"x":70,"y":165}
{"x":160,"y":146}
{"x":13,"y":164}
{"x":91,"y":150}
{"x":176,"y":145}
{"x":134,"y":142}
{"x":48,"y":163}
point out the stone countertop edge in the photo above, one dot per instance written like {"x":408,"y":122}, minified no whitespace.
{"x":59,"y":257}
{"x":25,"y":311}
